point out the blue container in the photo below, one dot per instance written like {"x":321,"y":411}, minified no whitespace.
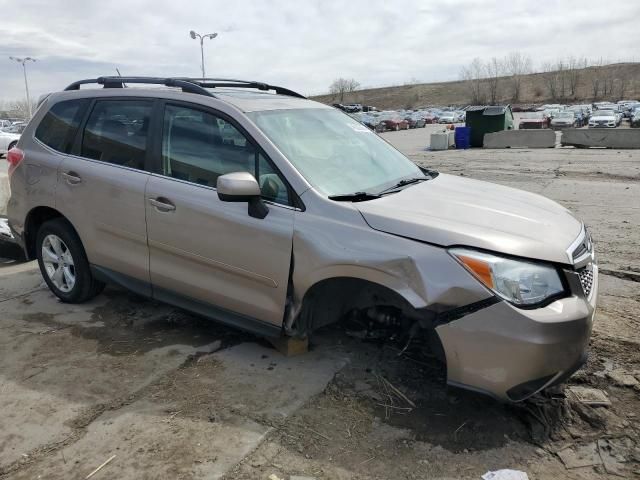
{"x":462,"y":137}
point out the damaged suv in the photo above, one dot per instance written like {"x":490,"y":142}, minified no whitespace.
{"x":256,"y":207}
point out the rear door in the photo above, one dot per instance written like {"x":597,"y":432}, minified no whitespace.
{"x":207,"y":252}
{"x":101,"y":188}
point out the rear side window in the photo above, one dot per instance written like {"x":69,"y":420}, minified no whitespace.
{"x":58,"y":127}
{"x":116,"y":132}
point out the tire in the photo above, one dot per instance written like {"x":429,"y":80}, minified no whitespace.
{"x":11,"y":145}
{"x":65,"y":267}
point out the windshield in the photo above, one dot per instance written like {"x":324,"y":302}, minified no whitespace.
{"x":333,"y":152}
{"x":533,"y":115}
{"x":564,"y":115}
{"x":604,"y":113}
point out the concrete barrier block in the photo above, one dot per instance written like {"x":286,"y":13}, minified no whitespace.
{"x":520,"y":139}
{"x":601,"y":137}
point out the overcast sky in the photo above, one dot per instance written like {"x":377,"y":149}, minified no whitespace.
{"x":302,"y":45}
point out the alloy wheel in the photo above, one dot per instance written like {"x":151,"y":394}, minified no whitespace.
{"x":58,"y":263}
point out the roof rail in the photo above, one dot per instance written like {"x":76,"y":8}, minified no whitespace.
{"x":118,"y":82}
{"x":189,"y":85}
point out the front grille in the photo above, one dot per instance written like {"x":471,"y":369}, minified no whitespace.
{"x":586,"y":279}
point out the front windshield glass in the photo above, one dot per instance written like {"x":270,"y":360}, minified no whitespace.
{"x":604,"y":113}
{"x":333,"y":152}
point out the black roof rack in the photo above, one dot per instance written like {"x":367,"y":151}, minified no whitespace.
{"x":189,"y":85}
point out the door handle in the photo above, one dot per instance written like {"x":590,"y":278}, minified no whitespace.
{"x":162,"y":204}
{"x":72,"y":178}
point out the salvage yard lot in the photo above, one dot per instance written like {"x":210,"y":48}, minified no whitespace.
{"x":175,"y":396}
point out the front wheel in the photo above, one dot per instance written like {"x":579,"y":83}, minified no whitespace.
{"x":63,"y":263}
{"x":11,"y":145}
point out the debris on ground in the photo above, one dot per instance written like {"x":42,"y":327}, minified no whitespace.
{"x":593,"y":397}
{"x":505,"y":475}
{"x":580,"y":456}
{"x":622,"y":378}
{"x":611,"y":458}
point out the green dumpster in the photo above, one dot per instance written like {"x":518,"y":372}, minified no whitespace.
{"x":483,"y":119}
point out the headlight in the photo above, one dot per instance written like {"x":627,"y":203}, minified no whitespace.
{"x":519,"y":282}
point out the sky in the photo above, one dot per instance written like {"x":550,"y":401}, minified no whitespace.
{"x":303,"y":45}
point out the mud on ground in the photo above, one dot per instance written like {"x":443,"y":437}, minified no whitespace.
{"x":174,"y":396}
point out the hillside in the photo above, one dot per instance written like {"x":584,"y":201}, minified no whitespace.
{"x":616,"y":78}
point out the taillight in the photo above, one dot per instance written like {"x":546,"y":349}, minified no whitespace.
{"x":14,"y":157}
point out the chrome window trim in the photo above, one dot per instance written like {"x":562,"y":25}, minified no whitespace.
{"x":207,"y":187}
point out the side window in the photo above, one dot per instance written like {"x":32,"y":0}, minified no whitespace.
{"x":116,"y":132}
{"x":198,"y":147}
{"x":271,"y":184}
{"x":58,"y":127}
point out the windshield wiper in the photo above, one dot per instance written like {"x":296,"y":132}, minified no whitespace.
{"x":354,"y":197}
{"x":404,"y":182}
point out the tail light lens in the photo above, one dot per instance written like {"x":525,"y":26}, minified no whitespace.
{"x":14,"y":157}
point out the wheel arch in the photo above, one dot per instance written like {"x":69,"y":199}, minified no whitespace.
{"x":328,"y":298}
{"x":35,"y":218}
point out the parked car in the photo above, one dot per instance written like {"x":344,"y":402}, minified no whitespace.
{"x":533,"y":120}
{"x":564,"y":119}
{"x":448,"y":117}
{"x":5,"y":123}
{"x":8,"y":140}
{"x":603,"y":119}
{"x":635,"y":118}
{"x":503,"y":282}
{"x":416,"y":120}
{"x":16,"y":128}
{"x":393,"y":121}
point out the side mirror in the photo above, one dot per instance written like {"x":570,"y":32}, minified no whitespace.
{"x":242,"y":187}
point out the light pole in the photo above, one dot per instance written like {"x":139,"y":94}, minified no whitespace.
{"x":195,"y":35}
{"x":23,"y":61}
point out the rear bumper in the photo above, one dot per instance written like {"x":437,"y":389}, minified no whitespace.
{"x":511,"y":353}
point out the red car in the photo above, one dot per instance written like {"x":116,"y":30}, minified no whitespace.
{"x":533,"y":120}
{"x":394,"y":122}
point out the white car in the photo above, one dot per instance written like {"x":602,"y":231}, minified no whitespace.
{"x":448,"y":117}
{"x":7,"y":141}
{"x":603,"y":119}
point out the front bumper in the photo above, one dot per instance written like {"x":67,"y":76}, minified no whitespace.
{"x":512,"y":353}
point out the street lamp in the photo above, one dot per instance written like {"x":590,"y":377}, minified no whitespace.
{"x":210,"y":36}
{"x":23,"y":61}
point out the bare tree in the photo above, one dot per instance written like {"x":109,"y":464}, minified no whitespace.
{"x":340,"y":86}
{"x":624,"y":80}
{"x":595,"y":79}
{"x":493,"y":70}
{"x":575,"y":68}
{"x":473,"y":74}
{"x":516,"y":66}
{"x":551,"y":80}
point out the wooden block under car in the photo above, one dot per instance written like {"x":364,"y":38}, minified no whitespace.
{"x":289,"y":346}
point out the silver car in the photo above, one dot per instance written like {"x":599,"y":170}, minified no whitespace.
{"x":256,"y":207}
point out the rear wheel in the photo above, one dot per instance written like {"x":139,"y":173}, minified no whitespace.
{"x":63,"y":263}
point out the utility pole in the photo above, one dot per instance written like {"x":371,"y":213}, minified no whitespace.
{"x":210,"y":36}
{"x":23,"y":61}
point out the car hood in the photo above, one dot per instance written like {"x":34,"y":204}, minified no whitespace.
{"x":451,"y":210}
{"x":603,"y":117}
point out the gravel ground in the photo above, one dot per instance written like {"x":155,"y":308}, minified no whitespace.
{"x":173,"y":396}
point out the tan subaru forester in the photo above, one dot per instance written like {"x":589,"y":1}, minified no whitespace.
{"x":258,"y":208}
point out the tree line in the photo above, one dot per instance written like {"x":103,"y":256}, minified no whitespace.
{"x":500,"y":79}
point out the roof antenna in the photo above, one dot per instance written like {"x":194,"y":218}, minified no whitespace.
{"x":120,"y":75}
